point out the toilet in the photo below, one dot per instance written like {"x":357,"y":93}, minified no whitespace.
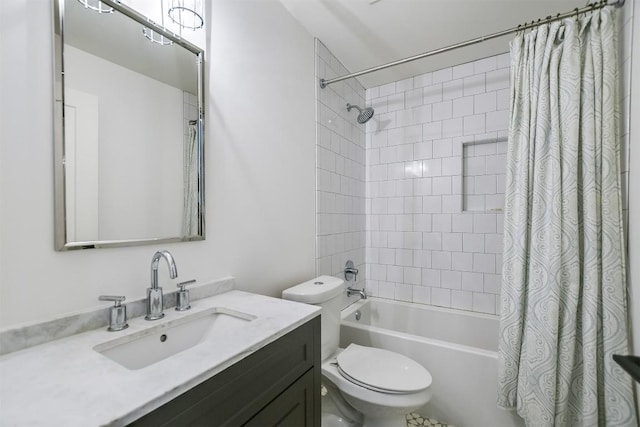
{"x":370,"y":385}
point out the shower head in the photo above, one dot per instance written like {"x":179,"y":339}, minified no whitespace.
{"x":364,"y":115}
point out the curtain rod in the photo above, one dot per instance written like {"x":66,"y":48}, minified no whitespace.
{"x":324,"y":83}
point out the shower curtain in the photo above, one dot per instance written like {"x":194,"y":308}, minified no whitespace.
{"x":190,"y":177}
{"x":563,"y":282}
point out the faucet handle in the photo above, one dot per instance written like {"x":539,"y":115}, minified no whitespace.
{"x":182,"y":296}
{"x":182,"y":285}
{"x":117,"y":313}
{"x":115,"y":298}
{"x":350,"y":271}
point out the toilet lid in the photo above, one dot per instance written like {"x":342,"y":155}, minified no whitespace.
{"x":367,"y":386}
{"x":382,"y":370}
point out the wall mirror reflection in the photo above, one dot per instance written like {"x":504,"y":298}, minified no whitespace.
{"x":128,"y":129}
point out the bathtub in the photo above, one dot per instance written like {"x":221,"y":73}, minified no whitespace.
{"x":459,"y":348}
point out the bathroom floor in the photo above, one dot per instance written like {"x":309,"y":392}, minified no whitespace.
{"x":414,"y":419}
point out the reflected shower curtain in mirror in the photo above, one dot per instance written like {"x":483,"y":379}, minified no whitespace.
{"x":563,"y":280}
{"x":190,"y":175}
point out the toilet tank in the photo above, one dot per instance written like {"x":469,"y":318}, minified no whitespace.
{"x":323,"y":291}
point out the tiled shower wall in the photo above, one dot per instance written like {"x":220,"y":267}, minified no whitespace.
{"x":437,"y":146}
{"x":340,"y":172}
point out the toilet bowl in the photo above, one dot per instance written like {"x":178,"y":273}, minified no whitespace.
{"x":381,"y":385}
{"x":374,"y":385}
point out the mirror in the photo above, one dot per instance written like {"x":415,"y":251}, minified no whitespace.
{"x":129,"y":166}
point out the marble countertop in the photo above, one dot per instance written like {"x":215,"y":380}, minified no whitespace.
{"x":66,"y":383}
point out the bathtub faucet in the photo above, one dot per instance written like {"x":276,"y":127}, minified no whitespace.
{"x":352,"y":291}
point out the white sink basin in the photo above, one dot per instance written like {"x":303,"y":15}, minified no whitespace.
{"x":157,"y":343}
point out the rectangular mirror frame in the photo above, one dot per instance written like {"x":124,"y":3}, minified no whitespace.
{"x":60,"y":223}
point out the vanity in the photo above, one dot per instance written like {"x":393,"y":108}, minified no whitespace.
{"x":261,"y":369}
{"x":276,"y":385}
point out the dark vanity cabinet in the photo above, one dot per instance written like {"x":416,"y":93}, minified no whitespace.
{"x":278,"y":385}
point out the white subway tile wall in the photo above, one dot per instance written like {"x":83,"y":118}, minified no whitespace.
{"x":427,"y":132}
{"x":340,"y":169}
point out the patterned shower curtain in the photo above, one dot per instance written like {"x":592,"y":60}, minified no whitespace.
{"x":563,"y":287}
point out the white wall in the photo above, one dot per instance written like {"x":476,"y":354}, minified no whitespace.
{"x":260,"y":157}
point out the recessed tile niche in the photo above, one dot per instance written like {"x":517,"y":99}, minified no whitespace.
{"x":483,"y":175}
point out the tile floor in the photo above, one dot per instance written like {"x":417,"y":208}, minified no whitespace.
{"x":417,"y":420}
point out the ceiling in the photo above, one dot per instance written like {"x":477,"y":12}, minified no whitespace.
{"x":366,"y":33}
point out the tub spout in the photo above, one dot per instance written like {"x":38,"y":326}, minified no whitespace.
{"x":353,"y":291}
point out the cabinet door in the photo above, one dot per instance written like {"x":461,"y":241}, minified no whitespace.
{"x":293,"y":408}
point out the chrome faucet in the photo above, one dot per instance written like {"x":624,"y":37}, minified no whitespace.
{"x":351,"y":272}
{"x":155,"y":299}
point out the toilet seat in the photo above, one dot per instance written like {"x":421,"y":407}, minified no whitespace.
{"x":382,"y":370}
{"x":367,"y":386}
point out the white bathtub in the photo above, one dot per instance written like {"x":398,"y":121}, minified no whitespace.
{"x":457,"y":347}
